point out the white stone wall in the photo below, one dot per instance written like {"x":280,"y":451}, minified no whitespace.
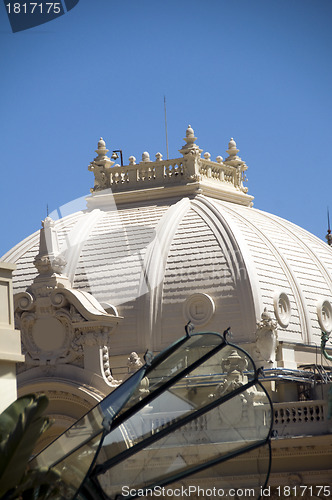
{"x":10,"y":344}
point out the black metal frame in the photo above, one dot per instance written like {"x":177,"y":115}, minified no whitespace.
{"x":100,"y":469}
{"x":90,"y":484}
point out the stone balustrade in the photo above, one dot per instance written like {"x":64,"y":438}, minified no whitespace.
{"x":221,"y":172}
{"x":143,"y":174}
{"x":301,"y":418}
{"x":289,"y":419}
{"x":224,"y":178}
{"x":167,"y":172}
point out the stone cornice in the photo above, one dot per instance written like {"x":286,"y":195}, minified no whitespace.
{"x":306,"y":445}
{"x":105,"y":199}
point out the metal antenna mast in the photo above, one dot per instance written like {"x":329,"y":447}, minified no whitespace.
{"x":166,"y":127}
{"x":328,"y":220}
{"x":328,"y":236}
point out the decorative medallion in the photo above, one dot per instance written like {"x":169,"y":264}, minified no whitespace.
{"x":282,"y":309}
{"x":199,"y":308}
{"x":324,"y":313}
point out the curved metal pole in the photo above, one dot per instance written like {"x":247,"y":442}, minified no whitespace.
{"x":324,"y":339}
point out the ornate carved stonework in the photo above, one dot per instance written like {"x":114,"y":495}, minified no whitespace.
{"x":60,"y":325}
{"x":54,"y":330}
{"x":134,"y":363}
{"x":58,"y":395}
{"x":245,"y":410}
{"x":100,"y":165}
{"x":267,"y":338}
{"x":49,"y":259}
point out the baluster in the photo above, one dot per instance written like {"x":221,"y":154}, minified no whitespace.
{"x":311,"y":411}
{"x":299,"y":412}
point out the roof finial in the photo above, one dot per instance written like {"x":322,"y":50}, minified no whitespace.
{"x":145,"y":156}
{"x":232,"y":149}
{"x":49,"y":259}
{"x":101,"y":149}
{"x":329,"y":235}
{"x":190,"y":139}
{"x":100,"y":165}
{"x":190,"y":131}
{"x":233,"y":159}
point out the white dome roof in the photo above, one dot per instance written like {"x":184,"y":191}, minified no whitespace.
{"x":183,"y":243}
{"x":214,"y":262}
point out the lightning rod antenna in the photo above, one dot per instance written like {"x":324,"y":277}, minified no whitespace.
{"x":329,"y":235}
{"x":328,"y":220}
{"x":166,"y":127}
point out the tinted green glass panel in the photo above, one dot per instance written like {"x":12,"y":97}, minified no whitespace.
{"x":241,"y":422}
{"x":164,"y":367}
{"x":243,"y":476}
{"x":74,"y":467}
{"x":173,"y":361}
{"x":196,"y":403}
{"x":87,"y":427}
{"x":220,"y":375}
{"x":251,"y":469}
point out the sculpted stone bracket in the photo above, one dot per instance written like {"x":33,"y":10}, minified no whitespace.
{"x":59,"y":325}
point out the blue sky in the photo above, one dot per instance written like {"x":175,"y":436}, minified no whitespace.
{"x":256,"y":70}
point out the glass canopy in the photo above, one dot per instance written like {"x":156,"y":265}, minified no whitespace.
{"x":195,"y":414}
